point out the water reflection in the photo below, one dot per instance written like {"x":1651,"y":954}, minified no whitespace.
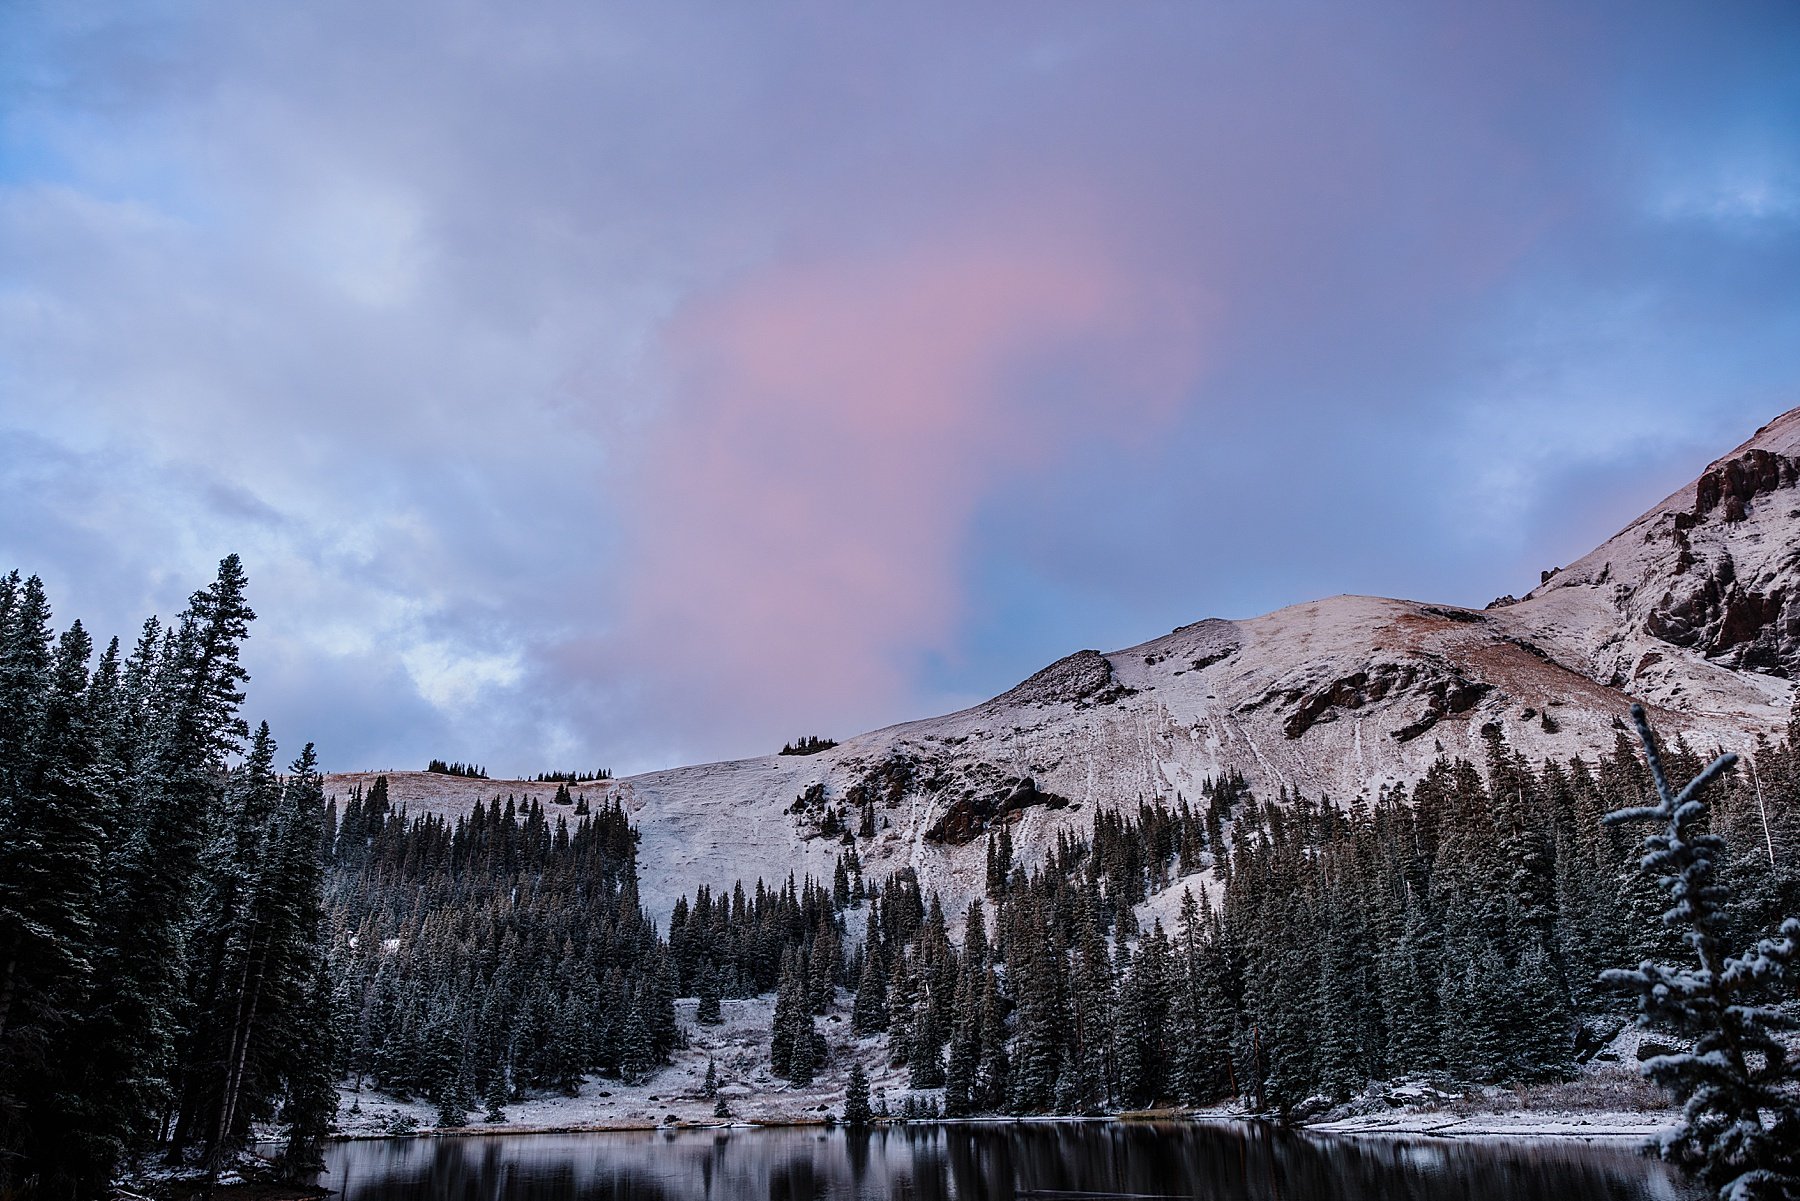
{"x":999,"y":1162}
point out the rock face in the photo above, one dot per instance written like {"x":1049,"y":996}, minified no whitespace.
{"x":1733,"y":483}
{"x":1693,"y":609}
{"x":1084,"y":679}
{"x":967,"y":819}
{"x":1747,"y":623}
{"x":1714,"y":570}
{"x":1439,"y":689}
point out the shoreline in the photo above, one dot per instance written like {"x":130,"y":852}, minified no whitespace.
{"x":1561,"y":1125}
{"x":1548,"y":1127}
{"x":1643,"y":1128}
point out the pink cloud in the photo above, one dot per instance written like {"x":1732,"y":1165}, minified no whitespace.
{"x":836,"y":423}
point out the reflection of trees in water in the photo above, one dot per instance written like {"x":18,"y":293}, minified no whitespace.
{"x":1257,"y":1163}
{"x":856,"y":1152}
{"x":1001,"y":1162}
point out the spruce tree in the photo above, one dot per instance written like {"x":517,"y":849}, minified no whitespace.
{"x":902,"y":1001}
{"x":1740,"y":1128}
{"x":636,"y":1059}
{"x":790,"y":1005}
{"x":856,"y":1098}
{"x":960,"y":1075}
{"x":50,"y":869}
{"x":1036,"y":1058}
{"x":808,"y":1053}
{"x":926,"y":1054}
{"x":869,"y":1014}
{"x":994,"y":1077}
{"x":708,"y":1012}
{"x":191,"y":704}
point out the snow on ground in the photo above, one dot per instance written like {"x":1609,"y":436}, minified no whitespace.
{"x":1165,"y":906}
{"x":1608,"y":1099}
{"x":740,"y":1050}
{"x":1642,"y":1126}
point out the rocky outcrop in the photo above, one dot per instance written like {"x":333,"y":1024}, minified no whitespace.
{"x":1732,"y":484}
{"x":968,"y":818}
{"x":1743,"y":627}
{"x":1446,"y":694}
{"x":1744,"y":618}
{"x":1443,"y":691}
{"x":1069,"y":680}
{"x":1083,"y":679}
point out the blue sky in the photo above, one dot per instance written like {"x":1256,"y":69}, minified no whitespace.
{"x":589,"y":384}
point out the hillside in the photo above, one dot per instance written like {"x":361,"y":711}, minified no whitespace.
{"x":1694,"y":609}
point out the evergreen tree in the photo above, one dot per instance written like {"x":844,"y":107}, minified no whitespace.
{"x":869,"y":1014}
{"x":1200,"y":1019}
{"x":50,"y":865}
{"x":796,"y":1048}
{"x":1037,"y":1054}
{"x":993,"y":1081}
{"x":209,"y":921}
{"x":1740,"y":1131}
{"x":926,"y":1055}
{"x":856,"y":1098}
{"x":311,"y":1066}
{"x":961,"y":1073}
{"x":808,"y":1053}
{"x":635,"y":1056}
{"x":708,"y":1012}
{"x":902,"y":1001}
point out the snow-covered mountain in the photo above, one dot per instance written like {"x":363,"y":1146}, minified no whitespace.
{"x":1693,"y":609}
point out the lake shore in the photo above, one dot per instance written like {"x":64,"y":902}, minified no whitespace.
{"x":1621,"y":1129}
{"x":1604,"y":1100}
{"x":1641,"y":1126}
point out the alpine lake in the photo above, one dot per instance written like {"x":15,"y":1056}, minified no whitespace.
{"x":1000,"y":1161}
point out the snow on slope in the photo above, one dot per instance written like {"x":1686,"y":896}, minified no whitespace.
{"x":739,"y":1051}
{"x":1691,"y":604}
{"x":1693,"y":608}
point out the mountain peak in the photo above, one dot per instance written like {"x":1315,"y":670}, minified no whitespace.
{"x":1714,"y":569}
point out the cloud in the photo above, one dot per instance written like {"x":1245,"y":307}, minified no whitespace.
{"x":609,"y":384}
{"x":801,"y":508}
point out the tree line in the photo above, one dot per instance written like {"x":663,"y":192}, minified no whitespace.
{"x":503,"y":951}
{"x":470,"y":771}
{"x":807,"y":744}
{"x":161,"y":982}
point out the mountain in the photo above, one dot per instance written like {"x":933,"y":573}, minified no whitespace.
{"x":1693,"y":609}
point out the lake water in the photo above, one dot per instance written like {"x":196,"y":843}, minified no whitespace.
{"x":1051,"y":1161}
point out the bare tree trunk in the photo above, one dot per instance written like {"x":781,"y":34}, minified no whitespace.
{"x":6,"y":989}
{"x":238,"y":1053}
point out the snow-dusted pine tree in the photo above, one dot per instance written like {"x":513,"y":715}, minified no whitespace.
{"x":856,"y":1097}
{"x":869,"y":1013}
{"x":1740,"y":1129}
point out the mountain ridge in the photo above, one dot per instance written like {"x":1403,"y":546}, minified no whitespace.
{"x":1693,"y":609}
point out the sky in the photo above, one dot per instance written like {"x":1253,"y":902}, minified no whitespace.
{"x":626,"y":385}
